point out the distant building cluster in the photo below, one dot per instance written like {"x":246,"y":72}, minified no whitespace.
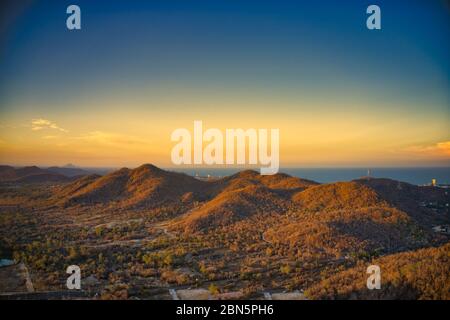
{"x":434,"y":183}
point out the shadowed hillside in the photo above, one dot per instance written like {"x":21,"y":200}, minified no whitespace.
{"x":411,"y":198}
{"x":422,"y":274}
{"x":30,"y":174}
{"x":72,"y":188}
{"x":232,"y":205}
{"x":241,"y":195}
{"x":349,"y":232}
{"x":352,"y":218}
{"x":42,"y":178}
{"x":68,"y":171}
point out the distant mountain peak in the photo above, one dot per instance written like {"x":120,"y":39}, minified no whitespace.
{"x":32,"y":167}
{"x":148,"y":166}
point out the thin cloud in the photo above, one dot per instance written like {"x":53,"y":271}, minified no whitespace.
{"x":437,"y":149}
{"x":7,"y":126}
{"x":111,"y":139}
{"x":41,"y":124}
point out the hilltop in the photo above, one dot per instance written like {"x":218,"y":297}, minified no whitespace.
{"x":339,"y":195}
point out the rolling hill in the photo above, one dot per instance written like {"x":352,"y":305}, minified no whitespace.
{"x":339,"y":195}
{"x":301,"y":234}
{"x":144,"y":187}
{"x":279,"y":181}
{"x":230,"y":206}
{"x":411,"y":198}
{"x":68,"y":171}
{"x":43,"y":178}
{"x":148,"y":186}
{"x":337,"y":218}
{"x":356,"y":218}
{"x":240,"y":196}
{"x":71,"y":188}
{"x":31,"y":174}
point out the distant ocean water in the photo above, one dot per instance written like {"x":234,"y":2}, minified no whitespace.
{"x":416,"y":176}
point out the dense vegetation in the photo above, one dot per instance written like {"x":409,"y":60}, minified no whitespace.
{"x":136,"y":233}
{"x":422,"y":274}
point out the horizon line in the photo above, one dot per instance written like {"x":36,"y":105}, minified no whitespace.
{"x":228,"y":167}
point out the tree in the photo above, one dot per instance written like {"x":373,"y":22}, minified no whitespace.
{"x":213,"y":289}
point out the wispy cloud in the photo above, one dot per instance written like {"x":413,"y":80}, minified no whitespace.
{"x":438,"y":149}
{"x":444,"y":147}
{"x":41,"y":124}
{"x":49,"y":137}
{"x":110,"y":139}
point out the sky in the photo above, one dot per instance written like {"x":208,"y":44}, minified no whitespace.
{"x":112,"y":93}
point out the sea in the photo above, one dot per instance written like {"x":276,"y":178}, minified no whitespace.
{"x":417,"y":176}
